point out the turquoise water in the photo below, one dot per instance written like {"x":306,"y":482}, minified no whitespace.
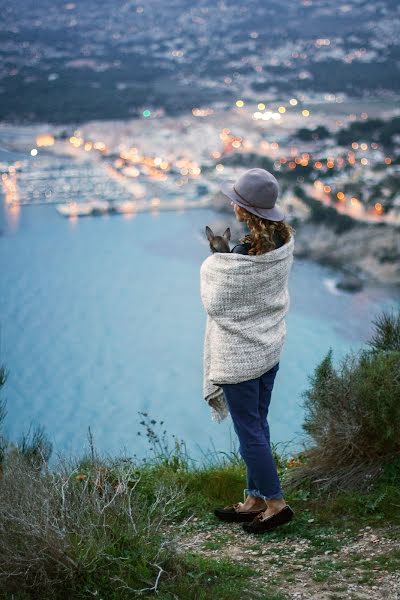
{"x":102,"y":318}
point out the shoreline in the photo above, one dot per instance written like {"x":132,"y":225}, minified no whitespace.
{"x":367,"y":253}
{"x":370,"y":252}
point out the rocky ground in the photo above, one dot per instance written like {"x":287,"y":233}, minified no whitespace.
{"x":324,"y":565}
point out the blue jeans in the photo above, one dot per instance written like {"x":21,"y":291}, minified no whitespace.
{"x":248,"y":403}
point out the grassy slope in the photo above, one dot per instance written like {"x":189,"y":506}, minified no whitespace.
{"x":337,"y":542}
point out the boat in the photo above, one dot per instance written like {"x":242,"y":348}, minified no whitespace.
{"x":74,"y":209}
{"x":124,"y":206}
{"x":99,"y":207}
{"x":83,"y":209}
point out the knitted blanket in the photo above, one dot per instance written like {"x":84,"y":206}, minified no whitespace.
{"x":246,"y":299}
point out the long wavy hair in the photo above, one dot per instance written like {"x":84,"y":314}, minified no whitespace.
{"x":262,"y":232}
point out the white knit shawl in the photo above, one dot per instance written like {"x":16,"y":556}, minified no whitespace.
{"x":246,"y":299}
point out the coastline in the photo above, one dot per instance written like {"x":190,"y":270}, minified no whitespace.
{"x":366,"y":253}
{"x":370,"y":252}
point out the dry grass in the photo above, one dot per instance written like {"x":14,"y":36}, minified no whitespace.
{"x":57,"y":525}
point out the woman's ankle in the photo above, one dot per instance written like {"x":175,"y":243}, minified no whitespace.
{"x":276,"y":503}
{"x":255,"y":501}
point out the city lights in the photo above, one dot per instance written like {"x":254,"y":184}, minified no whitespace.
{"x":45,"y":139}
{"x":132,"y":166}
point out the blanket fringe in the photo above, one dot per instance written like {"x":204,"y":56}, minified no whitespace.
{"x":219,"y":406}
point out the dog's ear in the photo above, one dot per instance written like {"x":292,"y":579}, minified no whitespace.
{"x":227,"y":234}
{"x":209,"y":234}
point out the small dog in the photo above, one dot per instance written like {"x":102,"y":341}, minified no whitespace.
{"x":218,"y":243}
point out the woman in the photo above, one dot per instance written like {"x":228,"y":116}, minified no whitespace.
{"x":246,"y":299}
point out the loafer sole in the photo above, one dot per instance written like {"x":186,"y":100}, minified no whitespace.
{"x":233,"y":516}
{"x":270,"y":523}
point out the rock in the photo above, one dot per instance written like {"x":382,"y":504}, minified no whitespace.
{"x":350,"y":283}
{"x":301,"y":250}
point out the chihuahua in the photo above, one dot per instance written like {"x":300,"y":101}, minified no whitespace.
{"x":218,"y":243}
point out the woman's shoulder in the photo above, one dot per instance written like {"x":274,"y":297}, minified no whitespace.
{"x":245,"y":246}
{"x":241,"y":248}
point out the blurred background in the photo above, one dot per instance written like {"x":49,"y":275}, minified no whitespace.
{"x":118,"y":123}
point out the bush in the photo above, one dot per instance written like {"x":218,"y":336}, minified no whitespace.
{"x":81,"y":527}
{"x":107,"y":527}
{"x":353,"y":413}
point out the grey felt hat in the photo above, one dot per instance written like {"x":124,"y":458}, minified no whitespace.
{"x":256,"y":190}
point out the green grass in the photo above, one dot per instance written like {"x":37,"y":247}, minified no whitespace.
{"x":389,"y":562}
{"x":326,"y":522}
{"x":365,"y":572}
{"x":325,"y":569}
{"x":190,"y":574}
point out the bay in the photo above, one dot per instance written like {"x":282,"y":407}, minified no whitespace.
{"x":101,"y":319}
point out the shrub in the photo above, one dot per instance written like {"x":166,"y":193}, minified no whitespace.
{"x":84,"y":526}
{"x":353,"y":414}
{"x":387,"y":332}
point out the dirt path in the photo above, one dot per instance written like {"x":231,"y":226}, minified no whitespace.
{"x":327,"y":566}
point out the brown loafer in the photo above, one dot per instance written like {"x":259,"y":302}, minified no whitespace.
{"x":232,"y":514}
{"x":260,"y":525}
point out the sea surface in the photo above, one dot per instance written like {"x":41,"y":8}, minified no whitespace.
{"x":101,"y":319}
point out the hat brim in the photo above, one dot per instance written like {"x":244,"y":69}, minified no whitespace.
{"x":273,"y":214}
